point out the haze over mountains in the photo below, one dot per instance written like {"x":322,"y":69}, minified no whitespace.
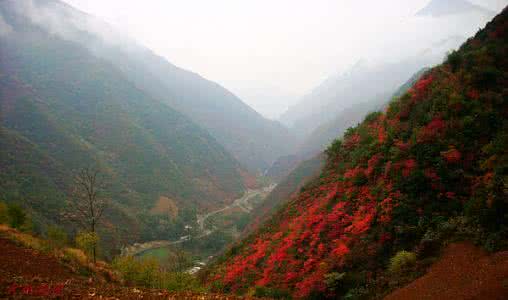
{"x":255,"y":141}
{"x":76,"y":93}
{"x":339,"y":92}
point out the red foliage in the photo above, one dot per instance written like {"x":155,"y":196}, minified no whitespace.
{"x":402,"y":146}
{"x":421,"y":87}
{"x":435,"y":129}
{"x":474,"y":94}
{"x":342,"y":222}
{"x":352,"y":141}
{"x":372,"y":164}
{"x":452,"y":156}
{"x":408,"y":166}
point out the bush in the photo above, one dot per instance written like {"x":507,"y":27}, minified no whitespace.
{"x":57,"y":237}
{"x":264,"y":292}
{"x":17,"y":216}
{"x":147,"y":273}
{"x":87,"y":241}
{"x":334,"y":281}
{"x":73,"y":254}
{"x":402,"y":262}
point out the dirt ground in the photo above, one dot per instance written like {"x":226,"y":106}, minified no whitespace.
{"x":28,"y":274}
{"x":463,"y":272}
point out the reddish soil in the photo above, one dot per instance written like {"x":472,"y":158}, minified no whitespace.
{"x":27,"y":274}
{"x":463,"y":272}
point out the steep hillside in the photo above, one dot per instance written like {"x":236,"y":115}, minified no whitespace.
{"x":62,"y":108}
{"x":431,"y":169}
{"x":287,"y":188}
{"x":253,"y":140}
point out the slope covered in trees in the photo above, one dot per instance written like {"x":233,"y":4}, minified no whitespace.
{"x":63,"y":108}
{"x":432,"y":168}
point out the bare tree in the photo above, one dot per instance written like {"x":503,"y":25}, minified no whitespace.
{"x":88,"y":203}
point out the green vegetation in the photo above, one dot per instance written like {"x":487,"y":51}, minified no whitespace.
{"x":160,"y":254}
{"x":15,"y":216}
{"x":57,"y":237}
{"x":403,"y":261}
{"x":87,"y":241}
{"x":68,"y":109}
{"x":148,"y":273}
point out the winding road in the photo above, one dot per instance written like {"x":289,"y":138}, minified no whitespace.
{"x":242,"y":203}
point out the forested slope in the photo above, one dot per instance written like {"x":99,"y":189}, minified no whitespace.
{"x":431,"y":169}
{"x":63,"y":108}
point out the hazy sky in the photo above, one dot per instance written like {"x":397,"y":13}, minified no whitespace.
{"x":269,"y":52}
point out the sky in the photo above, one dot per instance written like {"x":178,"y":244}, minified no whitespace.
{"x":268,"y":52}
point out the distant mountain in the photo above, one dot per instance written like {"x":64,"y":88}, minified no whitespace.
{"x":394,"y":191}
{"x":439,"y":8}
{"x":367,"y":80}
{"x":253,"y":140}
{"x":360,"y":84}
{"x":63,"y":108}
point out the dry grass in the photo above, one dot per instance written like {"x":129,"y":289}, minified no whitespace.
{"x":24,"y":239}
{"x":76,"y":255}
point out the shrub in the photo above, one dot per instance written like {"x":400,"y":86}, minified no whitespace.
{"x":334,"y":280}
{"x":57,"y":237}
{"x":264,"y":292}
{"x":401,"y":262}
{"x":147,"y":273}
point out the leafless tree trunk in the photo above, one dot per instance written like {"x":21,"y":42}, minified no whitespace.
{"x":87,"y":205}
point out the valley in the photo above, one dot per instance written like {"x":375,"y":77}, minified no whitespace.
{"x":160,"y":249}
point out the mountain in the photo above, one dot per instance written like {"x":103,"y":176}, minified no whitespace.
{"x":63,"y":108}
{"x":430,"y":170}
{"x":439,"y":8}
{"x":375,"y":76}
{"x":361,"y":83}
{"x":253,"y":140}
